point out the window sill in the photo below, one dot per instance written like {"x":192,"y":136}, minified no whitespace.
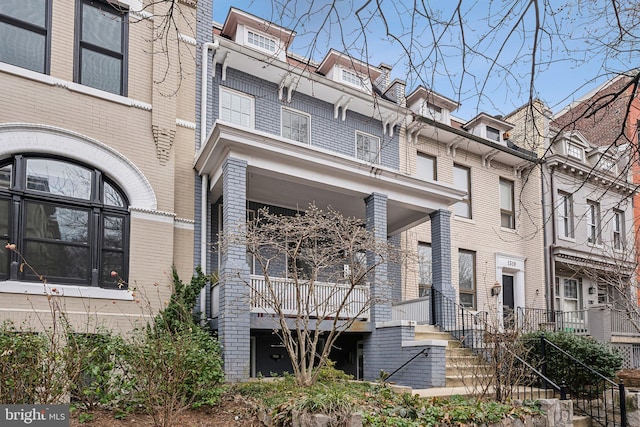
{"x":73,"y":291}
{"x":74,"y":87}
{"x":508,"y":230}
{"x":567,"y":239}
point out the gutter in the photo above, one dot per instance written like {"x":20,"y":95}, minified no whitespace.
{"x":520,"y":152}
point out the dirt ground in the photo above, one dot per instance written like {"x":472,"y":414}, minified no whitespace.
{"x":230,"y":413}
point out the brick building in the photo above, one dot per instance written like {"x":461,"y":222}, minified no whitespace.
{"x":96,"y":150}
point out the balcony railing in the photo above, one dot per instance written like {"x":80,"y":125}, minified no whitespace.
{"x":624,"y":323}
{"x":325,"y":300}
{"x":533,"y":319}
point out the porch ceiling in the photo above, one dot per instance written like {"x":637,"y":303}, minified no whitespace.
{"x":292,"y":175}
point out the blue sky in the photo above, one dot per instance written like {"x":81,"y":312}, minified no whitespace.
{"x":572,"y":59}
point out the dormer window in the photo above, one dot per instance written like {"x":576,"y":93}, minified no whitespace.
{"x":607,"y":164}
{"x":575,"y":151}
{"x":493,"y":134}
{"x":433,"y":112}
{"x":261,"y":42}
{"x":352,"y":78}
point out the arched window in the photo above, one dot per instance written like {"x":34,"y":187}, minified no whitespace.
{"x":68,"y":220}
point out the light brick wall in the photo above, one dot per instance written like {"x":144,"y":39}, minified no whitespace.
{"x":483,"y":234}
{"x":156,"y":241}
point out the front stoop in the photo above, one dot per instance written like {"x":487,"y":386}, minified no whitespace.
{"x":463,"y":368}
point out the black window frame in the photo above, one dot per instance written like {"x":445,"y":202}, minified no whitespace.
{"x":494,"y":132}
{"x":46,"y":31}
{"x":21,"y":197}
{"x":79,"y":44}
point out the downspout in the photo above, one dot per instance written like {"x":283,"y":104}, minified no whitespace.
{"x":204,"y":190}
{"x":552,"y":269}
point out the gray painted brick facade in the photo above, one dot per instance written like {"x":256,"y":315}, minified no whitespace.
{"x":326,"y":131}
{"x":441,"y":256}
{"x":376,"y":211}
{"x":388,"y":354}
{"x":234,"y":320}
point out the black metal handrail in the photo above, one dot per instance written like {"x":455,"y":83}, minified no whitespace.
{"x":597,"y":399}
{"x":460,"y":322}
{"x":472,"y":330}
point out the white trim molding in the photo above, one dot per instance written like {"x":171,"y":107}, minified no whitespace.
{"x":62,"y":290}
{"x":18,"y":138}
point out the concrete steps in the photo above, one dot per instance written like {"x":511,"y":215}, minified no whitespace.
{"x":581,"y":421}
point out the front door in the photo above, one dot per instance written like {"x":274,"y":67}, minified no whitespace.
{"x":508,"y":300}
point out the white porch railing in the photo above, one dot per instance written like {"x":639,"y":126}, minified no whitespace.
{"x":325,"y":300}
{"x":622,"y":323}
{"x":416,"y":309}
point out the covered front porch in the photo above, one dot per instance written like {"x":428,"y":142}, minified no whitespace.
{"x":241,"y":168}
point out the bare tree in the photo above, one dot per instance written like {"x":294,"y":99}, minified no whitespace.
{"x":315,"y":279}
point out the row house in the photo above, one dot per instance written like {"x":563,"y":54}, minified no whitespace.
{"x":96,"y":146}
{"x":496,"y":263}
{"x":281,"y":131}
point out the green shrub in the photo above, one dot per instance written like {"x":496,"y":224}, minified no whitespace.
{"x":99,"y":372}
{"x":560,"y":368}
{"x":22,"y":358}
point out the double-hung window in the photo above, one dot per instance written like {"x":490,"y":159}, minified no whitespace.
{"x":367,"y":147}
{"x":618,"y":230}
{"x":565,"y":214}
{"x":68,"y":220}
{"x":424,"y":269}
{"x":467,"y":278}
{"x":236,"y":108}
{"x":101,"y":46}
{"x":295,"y":125}
{"x":507,"y":210}
{"x":25,"y":33}
{"x":593,"y":222}
{"x":426,"y":167}
{"x":462,"y":180}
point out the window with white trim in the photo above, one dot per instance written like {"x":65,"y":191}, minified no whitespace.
{"x":431,"y":111}
{"x":575,"y":151}
{"x":593,"y":222}
{"x":565,"y":214}
{"x":236,"y":108}
{"x":425,"y":276}
{"x":352,"y":78}
{"x":260,"y":41}
{"x":367,"y":147}
{"x":295,"y":125}
{"x":507,"y":209}
{"x":462,"y":180}
{"x":618,"y":230}
{"x":426,"y":167}
{"x":467,"y":278}
{"x":25,"y":34}
{"x":68,"y":220}
{"x":607,"y":164}
{"x":493,"y":134}
{"x":568,"y":293}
